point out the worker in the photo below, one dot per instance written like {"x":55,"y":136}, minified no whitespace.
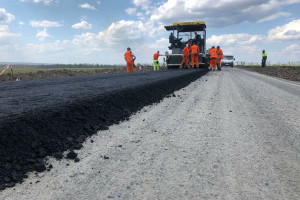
{"x":185,"y":56}
{"x":264,"y":58}
{"x":155,"y":60}
{"x":129,"y":57}
{"x":213,"y":58}
{"x":195,"y":54}
{"x":197,"y":38}
{"x":220,"y":57}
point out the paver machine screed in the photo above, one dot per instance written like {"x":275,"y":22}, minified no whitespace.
{"x":183,"y":33}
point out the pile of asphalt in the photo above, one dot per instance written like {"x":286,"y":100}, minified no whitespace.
{"x":47,"y":118}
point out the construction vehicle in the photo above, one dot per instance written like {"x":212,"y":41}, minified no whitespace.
{"x":183,"y":34}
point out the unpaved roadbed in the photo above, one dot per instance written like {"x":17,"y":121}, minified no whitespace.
{"x":229,"y":135}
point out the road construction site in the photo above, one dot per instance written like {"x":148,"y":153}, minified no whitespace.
{"x":187,"y":134}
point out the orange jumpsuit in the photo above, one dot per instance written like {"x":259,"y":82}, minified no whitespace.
{"x":195,"y":55}
{"x":213,"y":58}
{"x":185,"y":57}
{"x":220,"y":57}
{"x":130,"y":63}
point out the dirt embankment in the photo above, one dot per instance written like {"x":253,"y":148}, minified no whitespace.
{"x":57,"y":73}
{"x":289,"y":73}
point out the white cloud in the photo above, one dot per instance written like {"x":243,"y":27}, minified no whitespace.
{"x":123,"y":32}
{"x":5,"y":16}
{"x":289,"y":31}
{"x":98,"y":3}
{"x":276,"y":15}
{"x":21,"y":23}
{"x":220,"y":13}
{"x":234,"y":39}
{"x":130,"y":11}
{"x":142,"y":3}
{"x":5,"y":32}
{"x":46,"y":2}
{"x":290,"y":53}
{"x":82,"y":25}
{"x":87,"y":6}
{"x":42,"y":35}
{"x":45,"y":23}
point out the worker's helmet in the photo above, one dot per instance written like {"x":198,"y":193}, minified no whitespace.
{"x":157,"y":51}
{"x":213,"y":47}
{"x":263,"y":51}
{"x":218,"y":47}
{"x":128,"y":49}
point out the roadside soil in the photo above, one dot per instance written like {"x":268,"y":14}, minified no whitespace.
{"x":43,"y":74}
{"x":289,"y":73}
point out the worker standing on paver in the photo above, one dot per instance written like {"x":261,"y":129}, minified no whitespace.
{"x":264,"y":58}
{"x":213,"y":58}
{"x":155,"y":60}
{"x":185,"y":57}
{"x":129,"y":57}
{"x":195,"y":55}
{"x":220,"y":57}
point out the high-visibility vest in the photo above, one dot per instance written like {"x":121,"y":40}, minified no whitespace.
{"x":264,"y":55}
{"x":220,"y":53}
{"x":186,"y":51}
{"x":195,"y":49}
{"x":128,"y":56}
{"x":155,"y":56}
{"x":213,"y":53}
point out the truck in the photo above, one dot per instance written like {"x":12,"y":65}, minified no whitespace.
{"x":181,"y":34}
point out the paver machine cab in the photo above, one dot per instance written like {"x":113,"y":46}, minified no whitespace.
{"x":183,"y":33}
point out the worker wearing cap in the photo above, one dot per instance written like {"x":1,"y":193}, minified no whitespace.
{"x":195,"y":55}
{"x":220,"y":57}
{"x":185,"y":56}
{"x":155,"y":61}
{"x":213,"y":58}
{"x":129,"y":57}
{"x":264,"y":58}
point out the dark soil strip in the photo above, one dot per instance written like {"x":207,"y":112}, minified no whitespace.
{"x":289,"y":73}
{"x":26,"y":141}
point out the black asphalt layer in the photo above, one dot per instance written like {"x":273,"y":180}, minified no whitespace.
{"x":43,"y":118}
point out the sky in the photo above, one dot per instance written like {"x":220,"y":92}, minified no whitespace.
{"x":99,"y":31}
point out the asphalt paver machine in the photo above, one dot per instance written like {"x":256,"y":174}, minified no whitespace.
{"x":181,"y":34}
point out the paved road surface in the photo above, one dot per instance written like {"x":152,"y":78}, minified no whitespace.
{"x":229,"y":135}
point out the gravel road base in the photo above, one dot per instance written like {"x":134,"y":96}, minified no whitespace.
{"x":229,"y":135}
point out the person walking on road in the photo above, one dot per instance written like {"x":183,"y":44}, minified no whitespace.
{"x":264,"y":58}
{"x":213,"y":58}
{"x":195,"y":55}
{"x":185,"y":57}
{"x":155,"y":61}
{"x":220,"y":57}
{"x":129,"y":57}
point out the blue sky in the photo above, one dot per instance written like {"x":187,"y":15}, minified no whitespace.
{"x":99,"y":31}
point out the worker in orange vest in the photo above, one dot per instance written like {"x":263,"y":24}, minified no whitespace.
{"x":129,"y":57}
{"x":213,"y":58}
{"x":155,"y":60}
{"x":220,"y":57}
{"x":195,"y":55}
{"x":185,"y":56}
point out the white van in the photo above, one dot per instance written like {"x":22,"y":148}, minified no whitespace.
{"x":228,"y":60}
